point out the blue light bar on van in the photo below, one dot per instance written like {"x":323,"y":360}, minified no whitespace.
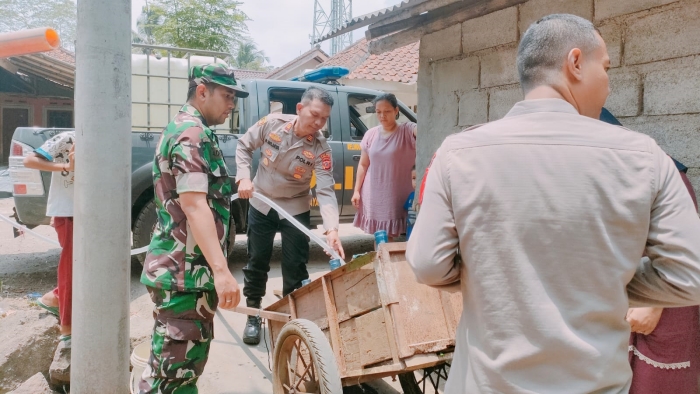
{"x":323,"y":74}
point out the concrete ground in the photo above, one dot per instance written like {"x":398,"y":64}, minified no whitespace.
{"x":29,"y":265}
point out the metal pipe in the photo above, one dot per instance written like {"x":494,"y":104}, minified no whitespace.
{"x":169,"y":83}
{"x":195,"y":51}
{"x":157,"y":76}
{"x":101,"y":274}
{"x":17,"y":43}
{"x":148,"y":88}
{"x":157,"y":103}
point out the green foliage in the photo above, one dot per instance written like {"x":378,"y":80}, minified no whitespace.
{"x":60,"y":15}
{"x":150,"y":19}
{"x":249,"y":57}
{"x":214,"y":25}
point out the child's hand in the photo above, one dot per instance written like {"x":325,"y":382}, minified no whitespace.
{"x":71,"y":159}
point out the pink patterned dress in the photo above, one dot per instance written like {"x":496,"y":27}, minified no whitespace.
{"x":668,"y":359}
{"x":387,"y":182}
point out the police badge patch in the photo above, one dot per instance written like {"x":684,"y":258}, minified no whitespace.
{"x":326,"y":161}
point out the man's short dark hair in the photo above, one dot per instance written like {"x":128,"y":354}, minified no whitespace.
{"x":193,"y":88}
{"x":546,"y":44}
{"x":313,"y":93}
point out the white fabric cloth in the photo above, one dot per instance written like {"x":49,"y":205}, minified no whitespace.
{"x":551,"y":212}
{"x":60,"y":200}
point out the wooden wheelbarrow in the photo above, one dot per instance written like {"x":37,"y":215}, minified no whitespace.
{"x":366,"y":320}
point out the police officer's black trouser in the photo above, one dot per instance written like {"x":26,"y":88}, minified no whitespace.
{"x":295,"y":253}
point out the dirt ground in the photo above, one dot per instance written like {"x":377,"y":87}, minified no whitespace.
{"x":28,"y":265}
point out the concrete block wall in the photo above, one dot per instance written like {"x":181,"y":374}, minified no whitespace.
{"x":467,"y":71}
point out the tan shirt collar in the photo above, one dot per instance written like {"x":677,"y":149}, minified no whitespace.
{"x":541,"y":105}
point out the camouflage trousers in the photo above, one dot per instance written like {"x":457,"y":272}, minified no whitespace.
{"x":182,"y":335}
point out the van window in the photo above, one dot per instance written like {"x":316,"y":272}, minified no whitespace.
{"x":362,"y":116}
{"x":285,"y":100}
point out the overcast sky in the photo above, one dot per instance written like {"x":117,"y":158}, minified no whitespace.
{"x":282,"y":28}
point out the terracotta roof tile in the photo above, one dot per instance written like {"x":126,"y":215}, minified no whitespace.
{"x":399,"y":65}
{"x":351,"y":57}
{"x":62,"y":54}
{"x":250,"y":74}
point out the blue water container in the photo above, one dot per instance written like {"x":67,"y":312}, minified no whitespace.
{"x":305,"y":282}
{"x":380,"y":237}
{"x":335,"y":264}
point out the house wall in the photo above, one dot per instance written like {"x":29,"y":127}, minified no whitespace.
{"x":407,"y":93}
{"x":37,"y":106}
{"x":467,"y":72}
{"x":297,"y":69}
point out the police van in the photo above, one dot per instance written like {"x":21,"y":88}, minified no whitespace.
{"x":165,"y":89}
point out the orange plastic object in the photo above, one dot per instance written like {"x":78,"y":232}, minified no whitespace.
{"x":23,"y":42}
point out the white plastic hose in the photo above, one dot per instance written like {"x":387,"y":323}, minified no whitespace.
{"x":53,"y":241}
{"x":257,"y":195}
{"x":296,"y":223}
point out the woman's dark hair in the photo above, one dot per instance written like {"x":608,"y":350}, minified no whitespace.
{"x":388,"y":97}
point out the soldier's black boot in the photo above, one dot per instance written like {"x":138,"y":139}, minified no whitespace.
{"x":251,"y":334}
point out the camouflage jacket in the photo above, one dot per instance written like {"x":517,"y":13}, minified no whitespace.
{"x":188,"y":159}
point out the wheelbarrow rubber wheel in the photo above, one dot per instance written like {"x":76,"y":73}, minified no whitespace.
{"x":409,"y":384}
{"x":430,"y":382}
{"x":143,"y":227}
{"x":304,"y":361}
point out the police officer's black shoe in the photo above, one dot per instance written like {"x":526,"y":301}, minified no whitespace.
{"x":251,"y":334}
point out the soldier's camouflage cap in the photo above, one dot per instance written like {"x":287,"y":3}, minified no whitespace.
{"x":218,"y":74}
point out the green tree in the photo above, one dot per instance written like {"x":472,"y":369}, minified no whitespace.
{"x":150,"y":19}
{"x":60,"y":15}
{"x":249,"y":57}
{"x":214,"y":25}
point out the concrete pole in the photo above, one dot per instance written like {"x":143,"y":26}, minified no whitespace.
{"x":101,"y":262}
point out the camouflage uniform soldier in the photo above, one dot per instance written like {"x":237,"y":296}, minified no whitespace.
{"x":185,"y":270}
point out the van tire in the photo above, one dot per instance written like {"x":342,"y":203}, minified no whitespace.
{"x":147,"y":219}
{"x":143,"y":227}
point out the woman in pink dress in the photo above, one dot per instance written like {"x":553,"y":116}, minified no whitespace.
{"x":384,"y":172}
{"x":664,"y":350}
{"x":664,"y":346}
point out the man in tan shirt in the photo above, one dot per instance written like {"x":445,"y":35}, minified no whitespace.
{"x":550,"y":211}
{"x":292,"y":150}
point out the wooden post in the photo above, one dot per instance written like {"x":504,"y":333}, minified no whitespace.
{"x":333,"y":326}
{"x":292,"y":307}
{"x":386,"y":299}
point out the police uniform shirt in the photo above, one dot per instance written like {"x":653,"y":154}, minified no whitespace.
{"x":286,"y":167}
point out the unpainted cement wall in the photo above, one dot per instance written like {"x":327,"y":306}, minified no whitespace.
{"x":467,"y":72}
